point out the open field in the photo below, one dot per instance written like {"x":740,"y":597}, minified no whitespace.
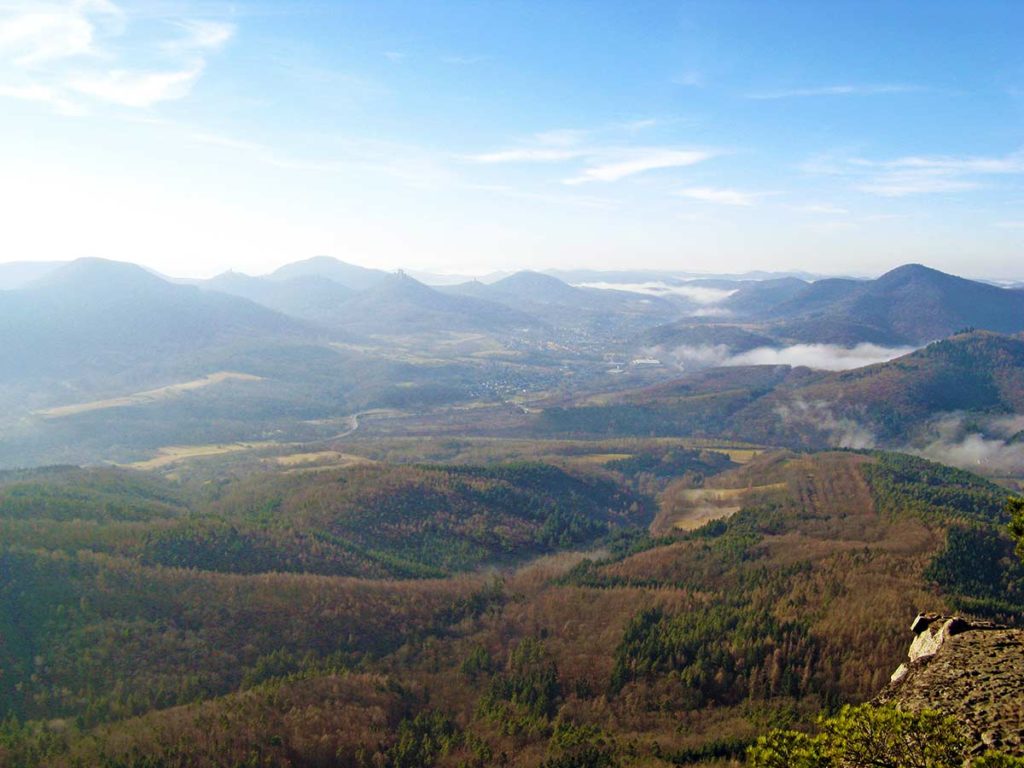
{"x":740,"y":455}
{"x":146,"y":397}
{"x":602,"y":458}
{"x":694,"y":507}
{"x":316,"y":461}
{"x":351,"y":447}
{"x":462,"y":448}
{"x":173,"y":454}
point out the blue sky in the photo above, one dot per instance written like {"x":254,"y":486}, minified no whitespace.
{"x":470,"y":137}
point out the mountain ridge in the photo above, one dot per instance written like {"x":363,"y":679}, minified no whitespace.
{"x":351,"y":276}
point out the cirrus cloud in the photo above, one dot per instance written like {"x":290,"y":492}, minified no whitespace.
{"x":639,"y":161}
{"x":918,"y":174}
{"x":598,"y":156}
{"x":71,"y":55}
{"x":719,"y":195}
{"x":835,"y":90}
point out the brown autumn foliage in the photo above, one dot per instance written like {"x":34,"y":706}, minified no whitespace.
{"x":656,"y":652}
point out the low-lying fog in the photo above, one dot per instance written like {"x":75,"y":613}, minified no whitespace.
{"x":825,"y":357}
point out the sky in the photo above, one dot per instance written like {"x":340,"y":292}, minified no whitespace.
{"x":469,"y":137}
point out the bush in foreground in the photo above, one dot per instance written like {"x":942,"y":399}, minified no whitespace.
{"x":868,"y":736}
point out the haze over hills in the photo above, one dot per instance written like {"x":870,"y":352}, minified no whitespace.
{"x":308,"y":297}
{"x":910,"y":304}
{"x":590,"y":312}
{"x":960,"y":400}
{"x":752,"y":298}
{"x":400,"y":304}
{"x":337,"y":500}
{"x":18,"y":274}
{"x":96,"y":332}
{"x":349,"y":275}
{"x":91,"y":316}
{"x":631,"y":427}
{"x":634,"y":276}
{"x":539,"y":289}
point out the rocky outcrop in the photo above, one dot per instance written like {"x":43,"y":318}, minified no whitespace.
{"x":973,"y":671}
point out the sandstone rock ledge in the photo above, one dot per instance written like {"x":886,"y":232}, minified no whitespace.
{"x":973,"y":671}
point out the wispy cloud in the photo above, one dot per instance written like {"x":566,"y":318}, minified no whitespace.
{"x":34,"y":34}
{"x":691,"y":78}
{"x":412,"y":165}
{"x":918,"y":174}
{"x":136,"y":89}
{"x":73,"y":54}
{"x":907,"y":184}
{"x":639,"y":161}
{"x":530,"y":155}
{"x":1011,"y":163}
{"x":834,"y":90}
{"x":719,"y":195}
{"x":43,"y":95}
{"x":200,"y":36}
{"x":597,"y":159}
{"x":825,"y":209}
{"x":460,"y":60}
{"x":582,"y":201}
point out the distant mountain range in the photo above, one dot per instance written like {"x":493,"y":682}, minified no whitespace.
{"x":18,"y":274}
{"x":589,"y":312}
{"x":93,"y":316}
{"x":349,"y":275}
{"x":656,"y":275}
{"x":400,"y":305}
{"x":910,"y":304}
{"x":97,"y":312}
{"x":320,"y":338}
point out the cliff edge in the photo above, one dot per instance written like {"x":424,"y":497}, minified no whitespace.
{"x":971,"y":670}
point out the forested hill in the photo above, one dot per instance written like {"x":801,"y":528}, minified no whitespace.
{"x":381,"y":521}
{"x":796,"y":602}
{"x":910,"y":304}
{"x":370,"y":521}
{"x":890,"y":404}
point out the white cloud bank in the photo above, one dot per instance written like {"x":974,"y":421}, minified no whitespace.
{"x":826,"y":357}
{"x":997,"y":450}
{"x":823,"y":357}
{"x":841,"y":431}
{"x":698,"y":294}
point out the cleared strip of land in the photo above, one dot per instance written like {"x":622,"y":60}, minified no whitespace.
{"x":318,"y":460}
{"x":149,"y":396}
{"x":697,"y":506}
{"x":740,"y":455}
{"x":172,"y":454}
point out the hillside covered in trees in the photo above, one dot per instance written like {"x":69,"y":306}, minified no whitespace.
{"x":400,"y":616}
{"x":974,"y":376}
